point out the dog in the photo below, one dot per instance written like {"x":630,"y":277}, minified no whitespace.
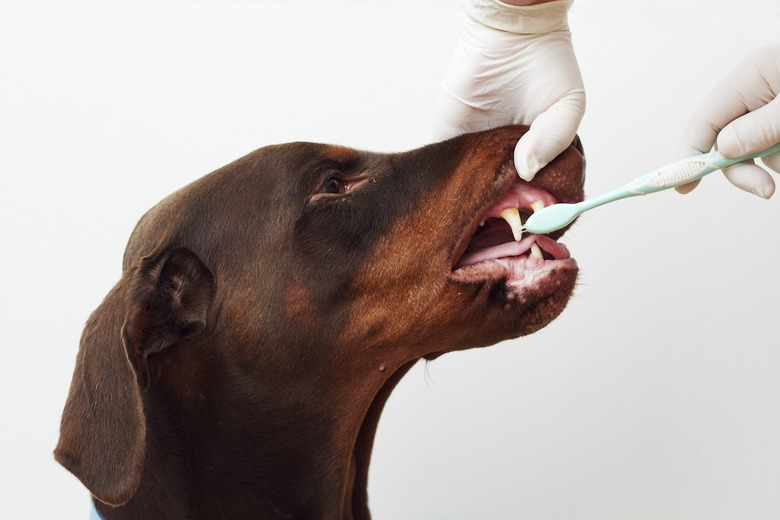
{"x":239,"y":367}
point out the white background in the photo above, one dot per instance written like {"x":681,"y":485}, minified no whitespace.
{"x":654,"y":396}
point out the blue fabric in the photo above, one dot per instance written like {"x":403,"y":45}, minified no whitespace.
{"x":94,"y":515}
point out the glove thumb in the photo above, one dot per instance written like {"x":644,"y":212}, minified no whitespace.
{"x":550,"y":134}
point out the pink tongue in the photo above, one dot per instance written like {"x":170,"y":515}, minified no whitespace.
{"x":509,"y":249}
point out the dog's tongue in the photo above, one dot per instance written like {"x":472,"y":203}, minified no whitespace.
{"x":537,"y":245}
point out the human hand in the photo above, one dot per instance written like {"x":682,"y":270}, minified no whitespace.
{"x":514,"y":65}
{"x":742,"y":116}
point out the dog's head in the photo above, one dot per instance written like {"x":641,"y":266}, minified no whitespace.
{"x":303,"y":260}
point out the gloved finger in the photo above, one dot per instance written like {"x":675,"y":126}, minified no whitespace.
{"x":742,"y":113}
{"x":746,"y":176}
{"x":687,"y":188}
{"x":755,"y":131}
{"x":550,"y":134}
{"x":772,"y":162}
{"x":752,"y":178}
{"x":721,"y":106}
{"x":742,"y":90}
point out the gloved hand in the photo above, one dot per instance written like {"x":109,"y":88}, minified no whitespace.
{"x":742,"y":115}
{"x":514,"y":65}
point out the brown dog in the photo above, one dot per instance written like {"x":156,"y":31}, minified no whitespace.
{"x":239,"y":367}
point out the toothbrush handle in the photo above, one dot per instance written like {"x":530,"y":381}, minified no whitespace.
{"x":670,"y":176}
{"x":689,"y":169}
{"x":681,"y":172}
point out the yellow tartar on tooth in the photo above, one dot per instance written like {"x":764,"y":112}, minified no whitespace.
{"x":512,"y":217}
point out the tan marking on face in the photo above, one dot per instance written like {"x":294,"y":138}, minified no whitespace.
{"x":339,"y":153}
{"x":298,"y":303}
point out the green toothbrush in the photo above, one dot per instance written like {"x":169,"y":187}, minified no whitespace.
{"x":681,"y":172}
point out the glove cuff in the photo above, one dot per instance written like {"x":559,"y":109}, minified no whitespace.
{"x":530,"y":19}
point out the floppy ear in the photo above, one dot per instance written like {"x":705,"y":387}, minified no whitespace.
{"x":103,"y":429}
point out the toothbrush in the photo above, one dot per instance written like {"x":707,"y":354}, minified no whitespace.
{"x":681,"y":172}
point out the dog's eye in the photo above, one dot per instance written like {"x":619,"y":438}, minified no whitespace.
{"x":334,"y":185}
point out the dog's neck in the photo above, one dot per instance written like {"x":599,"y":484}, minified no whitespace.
{"x":294,"y":451}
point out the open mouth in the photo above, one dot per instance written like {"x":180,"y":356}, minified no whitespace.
{"x":498,"y":248}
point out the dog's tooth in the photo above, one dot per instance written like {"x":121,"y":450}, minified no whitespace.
{"x":512,"y":217}
{"x":536,"y":206}
{"x":536,"y":252}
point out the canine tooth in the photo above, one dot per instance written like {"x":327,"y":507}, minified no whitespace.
{"x":536,"y":206}
{"x":512,"y":217}
{"x":536,"y":252}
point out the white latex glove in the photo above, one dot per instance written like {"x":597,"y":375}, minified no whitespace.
{"x":514,"y":65}
{"x":742,"y":116}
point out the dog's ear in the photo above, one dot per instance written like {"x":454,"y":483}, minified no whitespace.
{"x":103,"y":429}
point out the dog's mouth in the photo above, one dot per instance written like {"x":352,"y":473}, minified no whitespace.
{"x":494,"y":246}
